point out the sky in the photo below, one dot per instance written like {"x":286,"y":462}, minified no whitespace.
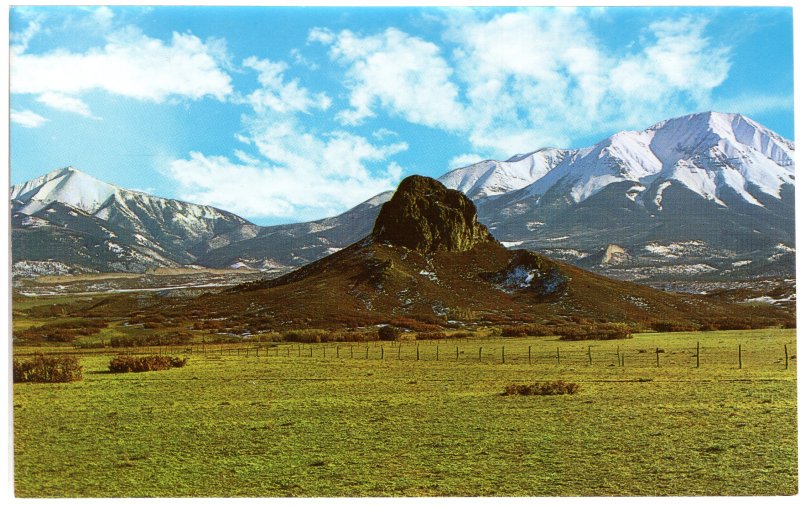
{"x":287,"y":114}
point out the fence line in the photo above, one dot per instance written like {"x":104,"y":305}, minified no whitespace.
{"x":479,"y":352}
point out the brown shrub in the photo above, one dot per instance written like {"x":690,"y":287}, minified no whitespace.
{"x":431,"y":335}
{"x":602,"y":331}
{"x":125,"y":363}
{"x":389,"y":333}
{"x":41,"y":369}
{"x":525,"y":330}
{"x":558,"y":387}
{"x":669,"y":326}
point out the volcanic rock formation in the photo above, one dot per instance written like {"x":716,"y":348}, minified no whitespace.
{"x":426,"y":216}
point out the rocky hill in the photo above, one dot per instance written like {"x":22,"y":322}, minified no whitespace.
{"x":429,"y":261}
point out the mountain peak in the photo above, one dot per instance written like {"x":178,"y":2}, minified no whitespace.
{"x":425,"y":216}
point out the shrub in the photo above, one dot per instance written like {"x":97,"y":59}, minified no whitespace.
{"x":62,"y":332}
{"x":41,"y":369}
{"x":525,"y":330}
{"x":304,"y":335}
{"x":431,"y":335}
{"x":559,"y":387}
{"x":669,"y":326}
{"x":170,"y":339}
{"x":603,"y":331}
{"x":125,"y":363}
{"x":389,"y":333}
{"x":461,"y":335}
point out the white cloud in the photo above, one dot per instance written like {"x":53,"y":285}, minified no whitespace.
{"x":27,"y":118}
{"x":20,"y":40}
{"x":405,"y":75}
{"x":300,"y":190}
{"x":464,"y":160}
{"x":131,"y":64}
{"x":65,"y":103}
{"x":300,"y":172}
{"x":516,"y":81}
{"x":277,"y":94}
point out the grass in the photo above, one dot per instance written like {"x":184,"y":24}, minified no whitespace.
{"x":226,"y":425}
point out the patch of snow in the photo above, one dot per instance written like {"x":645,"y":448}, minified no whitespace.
{"x":511,"y":244}
{"x":741,"y":263}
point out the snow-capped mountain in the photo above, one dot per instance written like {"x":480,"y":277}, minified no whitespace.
{"x":721,"y":180}
{"x":707,"y":194}
{"x":70,"y":217}
{"x":492,"y":177}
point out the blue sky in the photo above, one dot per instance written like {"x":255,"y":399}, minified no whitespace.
{"x":291,"y":114}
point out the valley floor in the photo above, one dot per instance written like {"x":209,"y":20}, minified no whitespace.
{"x":233,"y":424}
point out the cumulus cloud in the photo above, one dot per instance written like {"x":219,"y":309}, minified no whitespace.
{"x":326,"y":180}
{"x":298,"y":171}
{"x":27,"y":118}
{"x":131,"y":64}
{"x":464,"y":160}
{"x":405,"y":75}
{"x":65,"y":103}
{"x":279,"y":95}
{"x":514,"y":81}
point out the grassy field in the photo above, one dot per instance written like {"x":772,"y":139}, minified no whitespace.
{"x":234,"y":425}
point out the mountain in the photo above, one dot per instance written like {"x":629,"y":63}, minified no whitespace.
{"x":68,"y":220}
{"x":704,"y":196}
{"x":429,"y":262}
{"x":697,"y":194}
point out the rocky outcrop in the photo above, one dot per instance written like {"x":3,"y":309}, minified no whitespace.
{"x":614,"y":255}
{"x":425,"y":216}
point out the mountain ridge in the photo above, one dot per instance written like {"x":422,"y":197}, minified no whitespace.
{"x":717,"y":178}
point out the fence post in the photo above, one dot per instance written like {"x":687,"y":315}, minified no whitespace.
{"x":786,"y":354}
{"x":619,"y":362}
{"x":657,"y":357}
{"x":456,"y":352}
{"x":417,"y":352}
{"x":503,"y":353}
{"x":351,"y":351}
{"x":399,"y":345}
{"x":437,"y":352}
{"x":590,"y":355}
{"x":366,"y":357}
{"x":337,"y":351}
{"x":323,"y":351}
{"x":740,"y":356}
{"x":381,"y":352}
{"x":698,"y":354}
{"x":622,"y":357}
{"x":529,"y":355}
{"x":480,"y":354}
{"x":558,"y":356}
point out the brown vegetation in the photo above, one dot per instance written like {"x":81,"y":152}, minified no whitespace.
{"x":125,"y":363}
{"x":42,"y":369}
{"x":558,"y":387}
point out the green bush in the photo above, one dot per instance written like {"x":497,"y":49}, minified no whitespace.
{"x":125,"y":363}
{"x":41,"y":369}
{"x":558,"y":387}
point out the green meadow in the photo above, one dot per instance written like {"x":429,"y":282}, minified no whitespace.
{"x":384,"y":423}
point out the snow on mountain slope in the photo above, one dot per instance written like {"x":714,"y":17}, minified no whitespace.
{"x":706,"y":153}
{"x":68,"y":186}
{"x":492,"y":177}
{"x":136,"y":230}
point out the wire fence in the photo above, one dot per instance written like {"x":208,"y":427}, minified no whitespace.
{"x":746,"y":355}
{"x":494,"y":352}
